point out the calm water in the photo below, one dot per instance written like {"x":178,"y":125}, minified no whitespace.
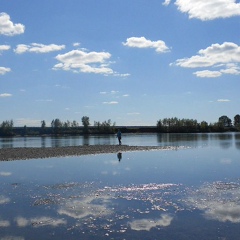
{"x":192,"y":193}
{"x":192,"y":140}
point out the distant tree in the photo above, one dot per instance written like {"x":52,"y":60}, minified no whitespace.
{"x":226,"y":121}
{"x":6,"y":128}
{"x":159,"y":125}
{"x":237,"y":121}
{"x":56,"y":125}
{"x":86,"y":123}
{"x":105,"y":126}
{"x":74,"y":124}
{"x":43,"y":127}
{"x":204,"y":126}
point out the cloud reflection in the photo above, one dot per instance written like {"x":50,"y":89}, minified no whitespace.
{"x":12,"y":238}
{"x":219,"y":201}
{"x":39,"y":222}
{"x":4,"y":223}
{"x":4,"y":200}
{"x":5,"y":174}
{"x":224,"y":212}
{"x":147,"y":224}
{"x":86,"y":207}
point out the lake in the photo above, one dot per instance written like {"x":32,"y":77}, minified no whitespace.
{"x":189,"y":193}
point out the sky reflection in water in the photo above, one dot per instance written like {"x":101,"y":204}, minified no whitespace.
{"x":184,"y":194}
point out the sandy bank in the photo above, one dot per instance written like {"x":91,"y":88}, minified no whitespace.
{"x":8,"y":154}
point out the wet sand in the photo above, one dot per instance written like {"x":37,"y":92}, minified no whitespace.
{"x":8,"y":154}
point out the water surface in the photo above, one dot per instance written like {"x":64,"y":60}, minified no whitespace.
{"x":191,"y":193}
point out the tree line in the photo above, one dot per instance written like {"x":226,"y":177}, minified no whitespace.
{"x":176,"y":125}
{"x":166,"y":125}
{"x":58,"y":127}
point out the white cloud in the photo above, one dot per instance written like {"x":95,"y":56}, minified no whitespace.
{"x":208,"y":10}
{"x":147,"y":224}
{"x":114,"y":92}
{"x":225,"y":56}
{"x":3,"y":95}
{"x":4,"y":70}
{"x":86,"y":62}
{"x":223,"y":100}
{"x":38,"y":48}
{"x":8,"y":28}
{"x":133,"y":113}
{"x":207,"y":73}
{"x":76,"y":44}
{"x":142,"y":42}
{"x":4,"y":47}
{"x":125,"y":95}
{"x":110,"y":103}
{"x":167,"y":2}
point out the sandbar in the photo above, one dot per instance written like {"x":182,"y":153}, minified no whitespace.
{"x":9,"y":154}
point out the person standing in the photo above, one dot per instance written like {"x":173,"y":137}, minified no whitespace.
{"x":119,"y":136}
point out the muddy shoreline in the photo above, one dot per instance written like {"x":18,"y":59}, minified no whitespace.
{"x":9,"y":154}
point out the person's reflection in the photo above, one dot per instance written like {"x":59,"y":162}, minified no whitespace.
{"x":43,"y":142}
{"x":119,"y":155}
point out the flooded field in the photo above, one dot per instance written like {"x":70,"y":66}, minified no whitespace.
{"x":191,"y":193}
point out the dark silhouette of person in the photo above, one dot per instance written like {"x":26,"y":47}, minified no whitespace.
{"x":119,"y":136}
{"x":119,"y":155}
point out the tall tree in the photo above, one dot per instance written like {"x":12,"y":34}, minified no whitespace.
{"x":6,"y":128}
{"x":226,"y":121}
{"x":86,"y":123}
{"x":237,"y":121}
{"x":56,"y":125}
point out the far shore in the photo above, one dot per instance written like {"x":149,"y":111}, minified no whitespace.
{"x":9,"y":154}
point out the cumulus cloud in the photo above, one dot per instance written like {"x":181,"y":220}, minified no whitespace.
{"x":4,"y":48}
{"x":224,"y":56}
{"x":207,"y":73}
{"x":208,"y":10}
{"x":3,"y":95}
{"x":85,"y":62}
{"x":4,"y":70}
{"x":142,"y":42}
{"x":147,"y":224}
{"x":8,"y":28}
{"x":38,"y":48}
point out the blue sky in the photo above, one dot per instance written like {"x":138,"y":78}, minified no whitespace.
{"x":131,"y":61}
